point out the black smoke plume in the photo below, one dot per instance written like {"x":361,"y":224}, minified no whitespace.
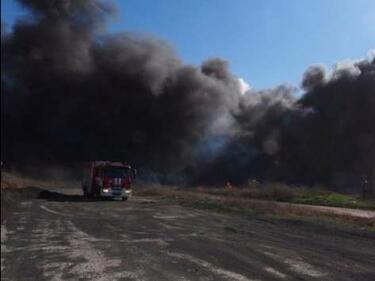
{"x":72,"y":92}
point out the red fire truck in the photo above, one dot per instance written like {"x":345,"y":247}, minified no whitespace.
{"x":108,"y":179}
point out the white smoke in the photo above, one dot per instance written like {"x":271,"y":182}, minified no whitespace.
{"x":346,"y":68}
{"x":243,"y":86}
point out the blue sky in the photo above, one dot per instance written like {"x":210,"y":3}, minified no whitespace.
{"x":267,"y":42}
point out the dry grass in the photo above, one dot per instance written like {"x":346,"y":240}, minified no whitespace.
{"x":10,"y":181}
{"x":253,"y":199}
{"x":14,"y":180}
{"x":271,"y":191}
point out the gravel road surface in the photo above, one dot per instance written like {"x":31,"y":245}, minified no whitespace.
{"x":63,"y":237}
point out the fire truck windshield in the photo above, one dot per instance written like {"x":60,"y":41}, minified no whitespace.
{"x":115,"y":172}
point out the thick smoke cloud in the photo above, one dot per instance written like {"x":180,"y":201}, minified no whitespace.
{"x":73,"y":92}
{"x":339,"y":134}
{"x":313,"y":77}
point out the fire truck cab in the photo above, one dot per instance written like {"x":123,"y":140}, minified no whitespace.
{"x":108,"y":179}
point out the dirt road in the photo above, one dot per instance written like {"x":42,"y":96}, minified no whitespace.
{"x":63,"y":237}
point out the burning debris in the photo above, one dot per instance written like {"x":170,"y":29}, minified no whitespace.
{"x":72,"y":92}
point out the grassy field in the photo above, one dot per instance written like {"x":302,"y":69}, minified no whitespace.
{"x":327,"y":198}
